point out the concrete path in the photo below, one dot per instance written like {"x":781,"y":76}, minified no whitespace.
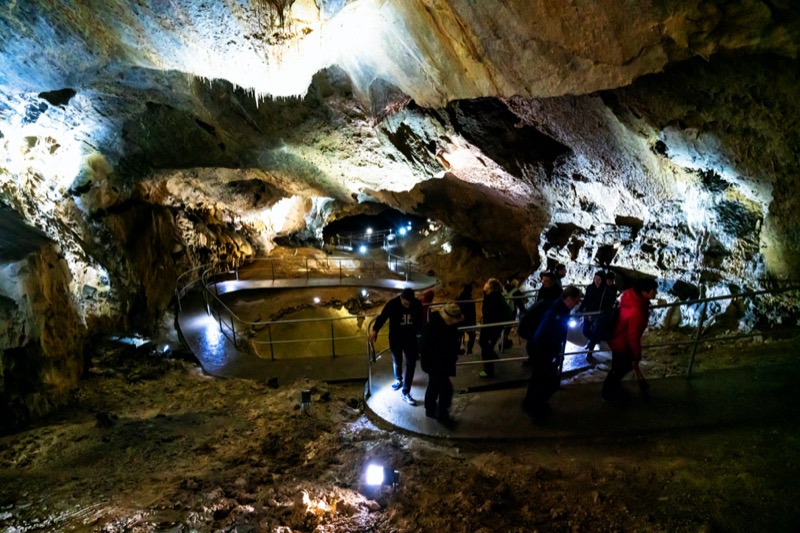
{"x":721,"y":397}
{"x":489,"y":409}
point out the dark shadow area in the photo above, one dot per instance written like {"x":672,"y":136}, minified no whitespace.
{"x":17,"y":238}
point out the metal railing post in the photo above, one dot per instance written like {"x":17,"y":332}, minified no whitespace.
{"x":233,"y":330}
{"x":271,"y":346}
{"x":700,"y":322}
{"x":333,"y":342}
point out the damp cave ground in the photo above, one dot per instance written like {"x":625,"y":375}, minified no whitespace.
{"x":153,"y":444}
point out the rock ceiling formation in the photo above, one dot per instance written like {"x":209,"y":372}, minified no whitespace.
{"x":141,"y":138}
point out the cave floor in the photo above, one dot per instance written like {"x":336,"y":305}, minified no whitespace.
{"x":151,"y":444}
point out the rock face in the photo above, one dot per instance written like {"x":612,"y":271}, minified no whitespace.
{"x":147,"y":138}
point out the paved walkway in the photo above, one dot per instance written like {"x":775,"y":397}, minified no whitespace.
{"x":739,"y":396}
{"x":487,"y":409}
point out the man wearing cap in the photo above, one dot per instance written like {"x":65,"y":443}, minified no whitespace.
{"x":404,"y":314}
{"x":439,"y":349}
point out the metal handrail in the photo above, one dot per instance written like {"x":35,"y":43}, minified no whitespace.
{"x":694,"y":342}
{"x":363,"y":236}
{"x":209,"y":273}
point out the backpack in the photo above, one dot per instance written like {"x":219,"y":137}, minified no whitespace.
{"x":530,"y":318}
{"x":603,"y":325}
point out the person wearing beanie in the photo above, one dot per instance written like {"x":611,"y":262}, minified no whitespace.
{"x":439,"y":348}
{"x":404,"y":313}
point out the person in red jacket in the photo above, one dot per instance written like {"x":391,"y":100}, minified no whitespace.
{"x":426,"y":300}
{"x":626,"y":341}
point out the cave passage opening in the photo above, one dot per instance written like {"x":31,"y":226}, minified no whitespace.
{"x":384,"y":228}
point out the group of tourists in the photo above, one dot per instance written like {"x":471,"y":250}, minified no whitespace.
{"x":417,"y":330}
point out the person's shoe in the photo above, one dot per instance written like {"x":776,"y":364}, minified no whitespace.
{"x":592,"y":360}
{"x":483,"y":374}
{"x":408,"y":399}
{"x":430,"y":414}
{"x":397,"y":384}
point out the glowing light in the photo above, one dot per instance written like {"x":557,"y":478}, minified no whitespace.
{"x":402,"y":231}
{"x":369,"y":231}
{"x":364,"y":293}
{"x":573,"y":323}
{"x":374,"y":475}
{"x":362,"y":249}
{"x":316,"y":299}
{"x":447,"y":247}
{"x":377,"y":475}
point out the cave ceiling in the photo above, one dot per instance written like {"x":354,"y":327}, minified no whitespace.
{"x":645,"y":133}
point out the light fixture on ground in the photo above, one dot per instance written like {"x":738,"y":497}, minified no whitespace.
{"x":381,"y":476}
{"x":573,"y":323}
{"x":369,"y":231}
{"x":402,"y":231}
{"x":362,"y":249}
{"x":316,"y":299}
{"x":364,"y":293}
{"x":305,"y":400}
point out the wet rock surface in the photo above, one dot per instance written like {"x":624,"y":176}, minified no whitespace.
{"x":174,"y":450}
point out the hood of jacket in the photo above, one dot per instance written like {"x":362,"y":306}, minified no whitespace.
{"x":630,"y":299}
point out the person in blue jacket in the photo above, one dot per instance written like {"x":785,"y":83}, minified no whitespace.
{"x":549,"y":345}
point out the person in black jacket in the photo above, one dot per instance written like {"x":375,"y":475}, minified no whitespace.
{"x":595,"y":294}
{"x":549,"y":344}
{"x":404,"y":314}
{"x":610,"y":294}
{"x":550,"y":289}
{"x":494,"y":310}
{"x":467,"y":307}
{"x":548,"y":293}
{"x":439,"y":348}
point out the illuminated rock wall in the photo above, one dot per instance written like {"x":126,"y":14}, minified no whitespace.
{"x":148,"y":138}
